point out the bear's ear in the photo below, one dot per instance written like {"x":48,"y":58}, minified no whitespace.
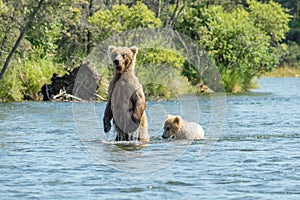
{"x":111,"y":48}
{"x":134,"y":50}
{"x":177,"y":120}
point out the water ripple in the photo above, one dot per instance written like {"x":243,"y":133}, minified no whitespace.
{"x":256,"y":156}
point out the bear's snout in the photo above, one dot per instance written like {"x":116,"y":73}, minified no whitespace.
{"x":117,"y":62}
{"x":165,"y":136}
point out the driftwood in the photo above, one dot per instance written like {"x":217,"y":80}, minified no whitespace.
{"x":80,"y":84}
{"x":64,"y":96}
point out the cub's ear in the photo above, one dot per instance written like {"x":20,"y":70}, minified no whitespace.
{"x":134,"y":50}
{"x":177,"y":120}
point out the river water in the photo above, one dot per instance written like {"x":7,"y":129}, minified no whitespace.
{"x":59,"y":151}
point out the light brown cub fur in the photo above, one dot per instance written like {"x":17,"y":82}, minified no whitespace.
{"x":178,"y":128}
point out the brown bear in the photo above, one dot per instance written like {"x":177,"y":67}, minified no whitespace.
{"x":126,"y":100}
{"x":178,"y":128}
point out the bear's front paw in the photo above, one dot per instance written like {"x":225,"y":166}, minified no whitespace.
{"x":107,"y":127}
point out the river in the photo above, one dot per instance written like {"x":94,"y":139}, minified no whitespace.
{"x":59,"y":151}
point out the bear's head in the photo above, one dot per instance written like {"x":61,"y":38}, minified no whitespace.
{"x":172,"y":126}
{"x":123,"y":58}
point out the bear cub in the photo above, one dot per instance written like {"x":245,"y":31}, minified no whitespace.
{"x":178,"y":128}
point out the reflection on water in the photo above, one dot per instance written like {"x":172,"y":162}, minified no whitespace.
{"x":48,"y":152}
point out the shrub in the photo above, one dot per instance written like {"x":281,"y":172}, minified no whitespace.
{"x":244,"y":43}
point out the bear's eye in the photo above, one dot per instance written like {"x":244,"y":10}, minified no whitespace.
{"x":123,"y":55}
{"x":168,"y":128}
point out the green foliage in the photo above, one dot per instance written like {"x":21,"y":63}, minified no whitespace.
{"x":11,"y":86}
{"x":105,"y":23}
{"x":35,"y":72}
{"x":240,"y":49}
{"x":271,"y":18}
{"x":160,"y":71}
{"x":71,"y":24}
{"x":244,"y":39}
{"x":140,"y":16}
{"x":238,"y":42}
{"x":7,"y":30}
{"x":26,"y":80}
{"x":3,"y":9}
{"x":191,"y":73}
{"x":159,"y":56}
{"x":162,"y":81}
{"x":292,"y":57}
{"x":45,"y":37}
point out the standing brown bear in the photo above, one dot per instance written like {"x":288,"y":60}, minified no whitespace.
{"x":126,"y":100}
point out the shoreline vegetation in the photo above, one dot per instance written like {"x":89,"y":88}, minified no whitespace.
{"x":244,"y":39}
{"x":282,"y":72}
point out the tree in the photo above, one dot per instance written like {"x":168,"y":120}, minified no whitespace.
{"x":242,"y":42}
{"x":37,"y":27}
{"x":40,"y":22}
{"x":105,"y":23}
{"x":75,"y":40}
{"x":31,"y":18}
{"x":271,"y":18}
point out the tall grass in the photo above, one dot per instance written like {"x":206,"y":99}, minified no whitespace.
{"x":285,"y":71}
{"x":25,"y":77}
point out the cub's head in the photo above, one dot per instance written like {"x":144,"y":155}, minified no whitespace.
{"x":123,"y":58}
{"x":172,"y":126}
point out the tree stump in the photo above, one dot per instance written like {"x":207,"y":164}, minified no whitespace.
{"x":79,"y":84}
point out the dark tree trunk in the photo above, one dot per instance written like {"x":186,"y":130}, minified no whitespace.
{"x":89,"y":33}
{"x":22,"y":33}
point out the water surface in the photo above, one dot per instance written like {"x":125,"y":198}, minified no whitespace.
{"x":59,"y":151}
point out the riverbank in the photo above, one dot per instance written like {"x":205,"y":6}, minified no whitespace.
{"x":284,"y":72}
